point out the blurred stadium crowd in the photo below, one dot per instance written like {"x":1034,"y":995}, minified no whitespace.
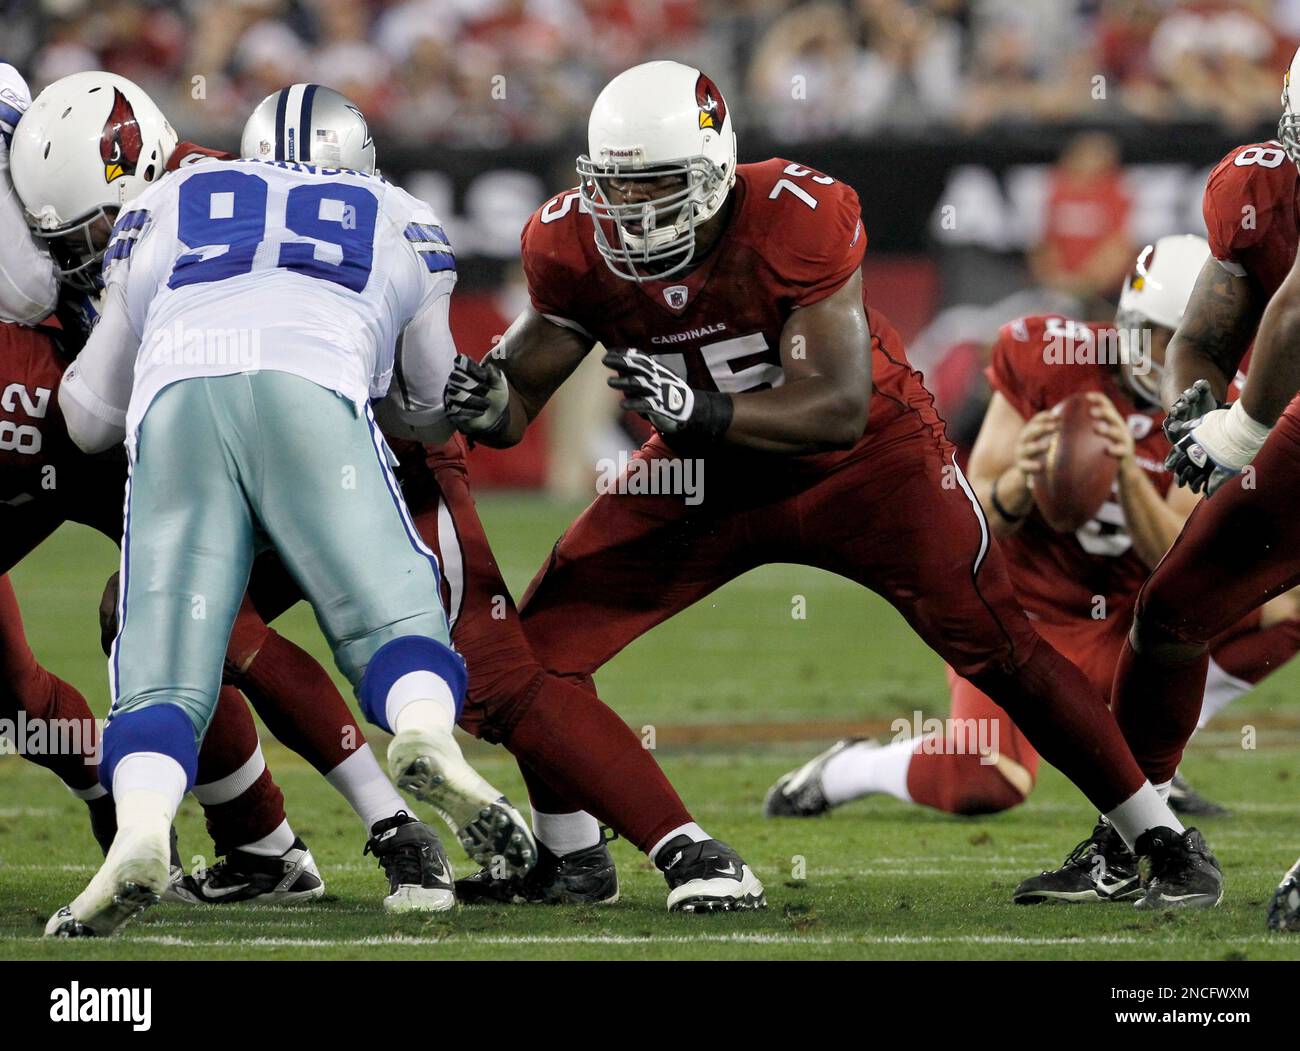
{"x":488,"y":72}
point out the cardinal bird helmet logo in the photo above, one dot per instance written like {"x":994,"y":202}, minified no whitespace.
{"x":121,"y":142}
{"x":713,"y":109}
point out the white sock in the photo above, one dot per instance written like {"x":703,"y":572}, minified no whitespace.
{"x":564,"y":833}
{"x":360,"y":781}
{"x":154,"y":774}
{"x":1144,"y":809}
{"x":1221,"y":689}
{"x":274,"y":843}
{"x":1163,"y":789}
{"x":864,"y":769}
{"x":690,"y":829}
{"x":421,"y":700}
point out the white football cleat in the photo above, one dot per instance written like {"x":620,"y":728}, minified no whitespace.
{"x":133,"y":877}
{"x":432,"y":769}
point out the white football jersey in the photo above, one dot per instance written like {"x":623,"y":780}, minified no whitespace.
{"x":241,"y":266}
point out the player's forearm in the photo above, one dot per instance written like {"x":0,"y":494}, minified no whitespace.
{"x":1005,"y":498}
{"x":1189,"y":361}
{"x":1152,"y":524}
{"x":816,"y":414}
{"x":28,"y":289}
{"x":1275,"y":362}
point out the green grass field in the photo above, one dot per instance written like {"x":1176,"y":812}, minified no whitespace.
{"x":879,"y":879}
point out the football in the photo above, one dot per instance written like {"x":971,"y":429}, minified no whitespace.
{"x":1078,"y":473}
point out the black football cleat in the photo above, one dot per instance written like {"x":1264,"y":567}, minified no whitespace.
{"x":800,"y":793}
{"x":419,"y":875}
{"x":582,"y":877}
{"x":707,"y":877}
{"x":1101,"y":868}
{"x":1178,"y":871}
{"x":254,"y":879}
{"x":1184,"y":799}
{"x":1284,"y":909}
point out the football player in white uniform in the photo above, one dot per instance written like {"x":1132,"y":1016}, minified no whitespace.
{"x":252,"y":310}
{"x":28,"y":289}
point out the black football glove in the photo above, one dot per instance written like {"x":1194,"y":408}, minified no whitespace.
{"x":1196,"y":401}
{"x":477,"y":397}
{"x":665,"y":399}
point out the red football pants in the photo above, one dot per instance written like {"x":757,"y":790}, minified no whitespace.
{"x":1238,"y":550}
{"x":897,"y":517}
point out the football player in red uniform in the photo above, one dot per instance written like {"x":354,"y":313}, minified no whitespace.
{"x":730,"y":300}
{"x":1242,"y":546}
{"x":112,"y":141}
{"x":1077,"y":587}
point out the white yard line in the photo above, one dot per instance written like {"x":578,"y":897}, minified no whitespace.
{"x":380,"y":941}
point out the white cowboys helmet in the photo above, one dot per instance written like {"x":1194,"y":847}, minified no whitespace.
{"x":88,"y":144}
{"x":652,"y":122}
{"x":1157,"y":293}
{"x":312,"y":124}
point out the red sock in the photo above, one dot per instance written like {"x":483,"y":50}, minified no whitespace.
{"x":1157,"y":731}
{"x":241,"y":802}
{"x":1255,"y":654}
{"x":1065,"y":719}
{"x":593,"y":760}
{"x":299,"y":702}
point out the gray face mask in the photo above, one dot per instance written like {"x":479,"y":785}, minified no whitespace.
{"x":1141,"y":372}
{"x":654,"y":239}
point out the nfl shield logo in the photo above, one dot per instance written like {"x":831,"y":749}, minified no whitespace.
{"x":675,"y":296}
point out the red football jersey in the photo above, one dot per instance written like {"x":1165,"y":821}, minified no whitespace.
{"x":793,"y":238}
{"x":32,"y":435}
{"x":1056,"y":575}
{"x":1251,"y":213}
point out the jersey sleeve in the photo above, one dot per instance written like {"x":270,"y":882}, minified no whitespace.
{"x":1015,"y":363}
{"x":552,"y":262}
{"x":814,"y":232}
{"x":28,"y":285}
{"x":187,"y":153}
{"x":15,"y":97}
{"x":1245,"y":195}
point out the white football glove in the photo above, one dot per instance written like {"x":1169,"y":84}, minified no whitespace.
{"x":477,"y":396}
{"x":1215,"y":448}
{"x":651,"y":389}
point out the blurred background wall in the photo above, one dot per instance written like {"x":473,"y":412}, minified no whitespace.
{"x":1011,"y":155}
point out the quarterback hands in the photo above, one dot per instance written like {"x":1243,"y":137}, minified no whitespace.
{"x":1032,"y":443}
{"x":1214,"y":448}
{"x":665,"y":399}
{"x":1195,"y":402}
{"x":477,"y":396}
{"x":1110,"y":425}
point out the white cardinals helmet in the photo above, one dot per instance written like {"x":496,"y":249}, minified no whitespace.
{"x":1157,"y":293}
{"x":651,"y":123}
{"x":87,"y":145}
